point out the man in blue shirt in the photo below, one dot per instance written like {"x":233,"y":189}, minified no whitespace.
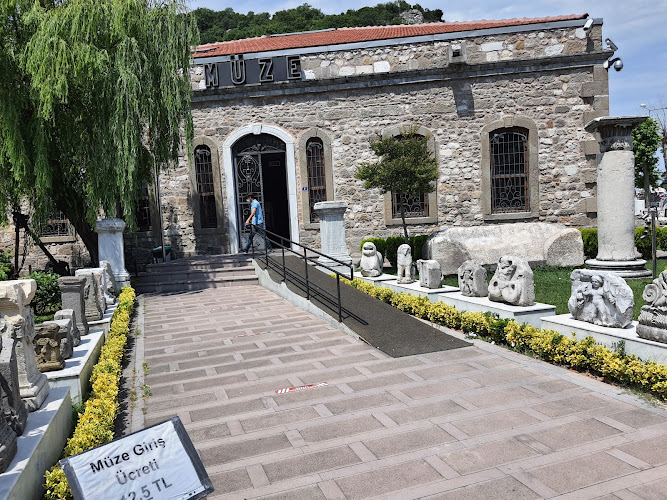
{"x":257,"y":219}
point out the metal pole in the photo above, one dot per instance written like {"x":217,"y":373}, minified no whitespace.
{"x":305,"y":261}
{"x":654,"y":246}
{"x":340,"y":308}
{"x":159,"y":205}
{"x":284,"y":270}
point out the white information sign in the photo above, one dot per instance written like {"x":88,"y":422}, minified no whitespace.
{"x":156,"y":463}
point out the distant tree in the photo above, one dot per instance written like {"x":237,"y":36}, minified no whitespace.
{"x":94,"y":95}
{"x":646,"y":140}
{"x":406,"y":167}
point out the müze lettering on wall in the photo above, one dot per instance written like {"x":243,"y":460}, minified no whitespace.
{"x":240,"y":71}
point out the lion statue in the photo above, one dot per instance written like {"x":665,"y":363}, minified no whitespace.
{"x":371,"y":261}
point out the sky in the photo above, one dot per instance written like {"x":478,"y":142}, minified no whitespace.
{"x":638,"y":28}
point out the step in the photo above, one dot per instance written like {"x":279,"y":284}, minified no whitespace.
{"x":184,"y":285}
{"x":195,"y":274}
{"x":201,"y":262}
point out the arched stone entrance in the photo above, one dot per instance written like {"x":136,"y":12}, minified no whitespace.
{"x":259,"y":159}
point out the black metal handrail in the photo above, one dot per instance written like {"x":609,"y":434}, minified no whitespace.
{"x":303,"y":280}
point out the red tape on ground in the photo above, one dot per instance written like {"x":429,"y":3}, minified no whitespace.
{"x":301,"y":388}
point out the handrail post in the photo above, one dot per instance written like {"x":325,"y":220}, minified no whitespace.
{"x":305,"y":261}
{"x":284,"y":270}
{"x":340,"y":309}
{"x":266,"y":252}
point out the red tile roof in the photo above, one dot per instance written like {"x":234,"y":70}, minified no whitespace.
{"x":352,"y":35}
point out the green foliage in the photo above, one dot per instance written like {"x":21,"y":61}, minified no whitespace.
{"x":389,"y":247}
{"x":229,"y":25}
{"x":406,"y":166}
{"x":5,"y":265}
{"x":47,"y":296}
{"x":646,"y":140}
{"x":590,"y":237}
{"x":93,"y":94}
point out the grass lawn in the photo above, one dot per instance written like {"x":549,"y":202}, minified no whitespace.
{"x":552,"y":286}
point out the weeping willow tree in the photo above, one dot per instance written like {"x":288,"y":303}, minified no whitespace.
{"x":94,"y":96}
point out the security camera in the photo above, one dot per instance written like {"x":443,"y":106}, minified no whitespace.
{"x":616,"y":62}
{"x":611,"y":45}
{"x":588,"y":26}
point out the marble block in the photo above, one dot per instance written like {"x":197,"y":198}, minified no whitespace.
{"x":110,"y":248}
{"x":430,"y":275}
{"x":91,"y":297}
{"x":110,"y":282}
{"x":601,"y":298}
{"x":472,"y":279}
{"x":69,"y":315}
{"x":513,"y":282}
{"x":99,"y":279}
{"x":71,"y":294}
{"x":66,"y":340}
{"x":332,"y":234}
{"x":47,"y":348}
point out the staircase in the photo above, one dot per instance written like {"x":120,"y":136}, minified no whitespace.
{"x":197,"y":273}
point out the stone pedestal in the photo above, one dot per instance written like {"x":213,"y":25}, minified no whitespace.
{"x":14,"y":410}
{"x":332,"y":234}
{"x":68,"y":316}
{"x":110,"y":248}
{"x":17,"y":325}
{"x":616,"y":197}
{"x":93,"y":307}
{"x":71,"y":296}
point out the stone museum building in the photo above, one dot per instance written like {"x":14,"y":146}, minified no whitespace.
{"x":290,"y":117}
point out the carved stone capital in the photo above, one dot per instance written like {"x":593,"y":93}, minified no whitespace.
{"x":614,"y":133}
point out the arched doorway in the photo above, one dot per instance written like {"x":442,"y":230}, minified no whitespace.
{"x":259,"y":162}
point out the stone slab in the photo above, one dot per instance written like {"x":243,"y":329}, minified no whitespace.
{"x":644,"y":349}
{"x":104,"y":323}
{"x":78,"y":368}
{"x":39,"y":447}
{"x":528,"y":314}
{"x":374,"y":280}
{"x":415,"y":289}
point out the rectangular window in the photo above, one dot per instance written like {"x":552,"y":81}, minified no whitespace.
{"x":509,"y":170}
{"x":317,"y":187}
{"x":57,"y":229}
{"x":143,"y":212}
{"x":415,"y":206}
{"x":204,"y":171}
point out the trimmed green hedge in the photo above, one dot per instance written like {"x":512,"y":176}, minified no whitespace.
{"x":643,"y":245}
{"x":388,"y":247}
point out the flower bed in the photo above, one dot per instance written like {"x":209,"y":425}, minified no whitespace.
{"x":548,"y":345}
{"x":96,"y":423}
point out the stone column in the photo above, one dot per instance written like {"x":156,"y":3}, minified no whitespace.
{"x":616,"y":197}
{"x":110,"y":248}
{"x":71,"y":296}
{"x":332,"y":233}
{"x":18,"y":326}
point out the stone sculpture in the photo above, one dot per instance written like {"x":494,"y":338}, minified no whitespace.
{"x":12,"y":408}
{"x":47,"y":348}
{"x":69,"y":315}
{"x":404,"y":264}
{"x":8,"y":445}
{"x":66,"y":340}
{"x":472,"y":279}
{"x":18,"y":328}
{"x":109,"y":281}
{"x":430,"y":275}
{"x":71,"y":294}
{"x":371,"y":260}
{"x":653,"y":316}
{"x":110,"y":247}
{"x":513,"y":282}
{"x":601,"y":298}
{"x":92,"y":294}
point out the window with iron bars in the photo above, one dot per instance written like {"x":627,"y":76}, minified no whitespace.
{"x":509,"y":170}
{"x":317,"y":186}
{"x":204,"y":172}
{"x":415,"y":206}
{"x":57,"y":226}
{"x":143,"y":210}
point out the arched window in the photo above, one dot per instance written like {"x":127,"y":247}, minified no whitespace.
{"x":508,"y":152}
{"x":143,"y":212}
{"x":205,"y":188}
{"x":317,"y":184}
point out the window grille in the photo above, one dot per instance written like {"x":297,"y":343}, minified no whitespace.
{"x":317,"y":187}
{"x":415,"y":206}
{"x":143,"y":212}
{"x":57,"y":225}
{"x":204,"y":172}
{"x":509,"y":170}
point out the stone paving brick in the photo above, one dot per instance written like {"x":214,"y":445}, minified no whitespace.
{"x":395,"y":364}
{"x":349,"y":360}
{"x":361,"y":403}
{"x":174,"y":377}
{"x":445,"y":371}
{"x":251,"y":389}
{"x":656,"y":490}
{"x":487,"y":455}
{"x":173,"y":402}
{"x":389,"y":479}
{"x":306,"y":395}
{"x":340,"y":429}
{"x":487,"y":399}
{"x":495,"y":422}
{"x":580,"y":472}
{"x":569,"y":435}
{"x":241,"y":365}
{"x":308,"y":493}
{"x":425,"y":411}
{"x":504,"y":488}
{"x":454,"y":354}
{"x":501,"y":376}
{"x":638,"y":418}
{"x":209,"y":361}
{"x":242,"y":449}
{"x":227,"y":482}
{"x":430,"y":437}
{"x":555,"y":386}
{"x":211,"y":382}
{"x":275,"y":370}
{"x":225,"y":410}
{"x":571,"y":405}
{"x":332,"y":458}
{"x":279,"y":418}
{"x":217,"y":431}
{"x":443,"y":387}
{"x":652,"y":451}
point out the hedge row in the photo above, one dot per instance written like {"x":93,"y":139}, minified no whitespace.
{"x":642,"y":241}
{"x":96,"y":423}
{"x":581,"y":355}
{"x":388,"y":247}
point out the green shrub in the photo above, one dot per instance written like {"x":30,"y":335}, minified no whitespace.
{"x":393,"y":242}
{"x":643,"y":242}
{"x":47,"y":297}
{"x":417,"y":244}
{"x":5,"y":265}
{"x":389,"y":247}
{"x":590,"y":237}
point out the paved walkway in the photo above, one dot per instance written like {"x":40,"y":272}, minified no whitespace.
{"x":471,"y":423}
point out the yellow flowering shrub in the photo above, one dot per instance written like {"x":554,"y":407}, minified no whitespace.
{"x":95,"y":424}
{"x":548,"y":345}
